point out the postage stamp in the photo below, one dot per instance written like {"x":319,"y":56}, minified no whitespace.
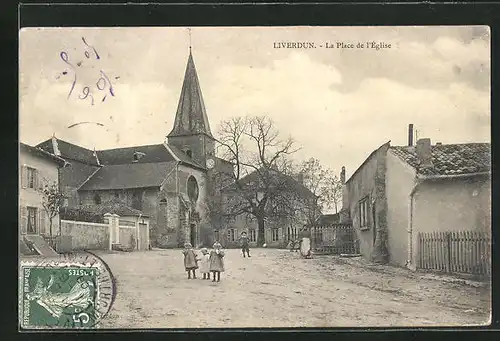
{"x":64,"y":294}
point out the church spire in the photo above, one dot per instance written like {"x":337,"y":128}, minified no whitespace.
{"x":191,"y":117}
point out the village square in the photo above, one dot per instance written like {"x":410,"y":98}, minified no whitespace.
{"x":245,"y":222}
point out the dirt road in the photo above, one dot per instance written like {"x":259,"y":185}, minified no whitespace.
{"x":277,"y":288}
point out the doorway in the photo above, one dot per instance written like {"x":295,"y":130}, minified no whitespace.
{"x":374,"y":217}
{"x":193,"y":235}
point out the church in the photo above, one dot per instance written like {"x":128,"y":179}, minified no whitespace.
{"x":172,"y":182}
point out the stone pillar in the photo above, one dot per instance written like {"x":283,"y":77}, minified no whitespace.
{"x":114,"y":230}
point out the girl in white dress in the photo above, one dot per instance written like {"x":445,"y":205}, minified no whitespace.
{"x":205,"y":263}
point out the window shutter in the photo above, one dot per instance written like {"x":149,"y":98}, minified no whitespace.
{"x":43,"y":227}
{"x":24,"y":219}
{"x":24,"y":176}
{"x":39,"y":181}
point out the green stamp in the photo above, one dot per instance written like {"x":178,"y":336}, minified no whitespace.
{"x":59,"y":297}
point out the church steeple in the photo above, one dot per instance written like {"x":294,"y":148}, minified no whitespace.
{"x":191,"y":117}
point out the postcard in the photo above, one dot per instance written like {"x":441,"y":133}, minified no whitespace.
{"x":254,"y":177}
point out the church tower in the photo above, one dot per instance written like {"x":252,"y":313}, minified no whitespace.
{"x":191,"y":132}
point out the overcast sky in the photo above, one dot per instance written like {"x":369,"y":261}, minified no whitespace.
{"x":339,"y":104}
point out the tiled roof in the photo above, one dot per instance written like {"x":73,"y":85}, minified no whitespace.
{"x":282,"y":180}
{"x":328,"y":219}
{"x":137,"y":175}
{"x":450,"y":159}
{"x":122,"y":156}
{"x":43,"y":153}
{"x":70,"y":151}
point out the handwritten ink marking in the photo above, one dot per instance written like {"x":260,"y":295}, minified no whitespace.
{"x":99,"y":82}
{"x":64,"y":57}
{"x":96,"y":54}
{"x":86,"y":93}
{"x":109,"y":82}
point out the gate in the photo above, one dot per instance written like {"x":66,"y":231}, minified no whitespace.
{"x":143,"y":237}
{"x":334,"y":239}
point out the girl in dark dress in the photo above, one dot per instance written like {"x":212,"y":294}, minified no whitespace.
{"x":216,"y":261}
{"x":190,"y":260}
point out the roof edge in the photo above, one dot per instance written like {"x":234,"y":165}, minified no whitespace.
{"x":366,"y":160}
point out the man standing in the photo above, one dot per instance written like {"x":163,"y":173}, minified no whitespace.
{"x":244,"y":244}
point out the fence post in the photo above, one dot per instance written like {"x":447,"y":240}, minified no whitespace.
{"x":447,"y":252}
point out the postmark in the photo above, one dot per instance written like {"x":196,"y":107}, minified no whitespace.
{"x":72,"y":291}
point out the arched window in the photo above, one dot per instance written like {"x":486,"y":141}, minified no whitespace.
{"x":192,"y":189}
{"x":97,"y":199}
{"x":189,"y":153}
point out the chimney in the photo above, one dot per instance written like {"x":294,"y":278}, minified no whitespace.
{"x":410,"y":135}
{"x":300,"y":178}
{"x":342,"y":175}
{"x":424,"y":152}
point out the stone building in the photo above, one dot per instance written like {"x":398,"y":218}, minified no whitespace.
{"x":170,"y":182}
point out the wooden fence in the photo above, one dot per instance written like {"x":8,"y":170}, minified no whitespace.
{"x":455,"y":252}
{"x":334,"y":239}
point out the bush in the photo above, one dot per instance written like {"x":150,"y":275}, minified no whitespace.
{"x":78,"y":214}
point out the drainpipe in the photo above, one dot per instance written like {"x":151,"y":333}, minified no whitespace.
{"x":409,"y":262}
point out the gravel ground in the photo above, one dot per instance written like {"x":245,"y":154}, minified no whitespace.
{"x":277,"y":288}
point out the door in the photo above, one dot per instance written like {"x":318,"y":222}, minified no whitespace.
{"x":193,"y":235}
{"x":374,"y":223}
{"x":32,"y":213}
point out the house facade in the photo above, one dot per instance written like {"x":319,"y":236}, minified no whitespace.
{"x":36,"y":168}
{"x":287,"y":213}
{"x":400,"y":191}
{"x":170,"y":182}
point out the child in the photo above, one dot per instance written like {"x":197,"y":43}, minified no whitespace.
{"x":205,"y":263}
{"x":217,"y":261}
{"x":244,"y":244}
{"x":190,"y":260}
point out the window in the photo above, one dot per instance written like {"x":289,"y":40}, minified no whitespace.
{"x":97,"y":199}
{"x":230,"y":235}
{"x":31,"y":172}
{"x":363,"y":214}
{"x":192,"y":189}
{"x":32,"y":215}
{"x":137,"y":201}
{"x":253,"y":235}
{"x":189,"y":153}
{"x":275,"y":235}
{"x":216,"y":235}
{"x":117,"y":195}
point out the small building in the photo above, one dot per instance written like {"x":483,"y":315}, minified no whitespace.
{"x":36,"y":169}
{"x":400,"y":191}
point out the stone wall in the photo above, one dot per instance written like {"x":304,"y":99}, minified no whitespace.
{"x":86,"y":236}
{"x":368,"y":183}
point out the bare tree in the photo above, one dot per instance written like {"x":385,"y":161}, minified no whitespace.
{"x":260,"y":157}
{"x":324,"y":184}
{"x":53,"y":200}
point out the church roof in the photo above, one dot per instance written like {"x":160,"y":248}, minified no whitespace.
{"x":191,"y":117}
{"x":148,"y":154}
{"x":68,"y":151}
{"x":138,"y":175}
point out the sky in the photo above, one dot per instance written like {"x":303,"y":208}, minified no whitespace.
{"x":339,"y":104}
